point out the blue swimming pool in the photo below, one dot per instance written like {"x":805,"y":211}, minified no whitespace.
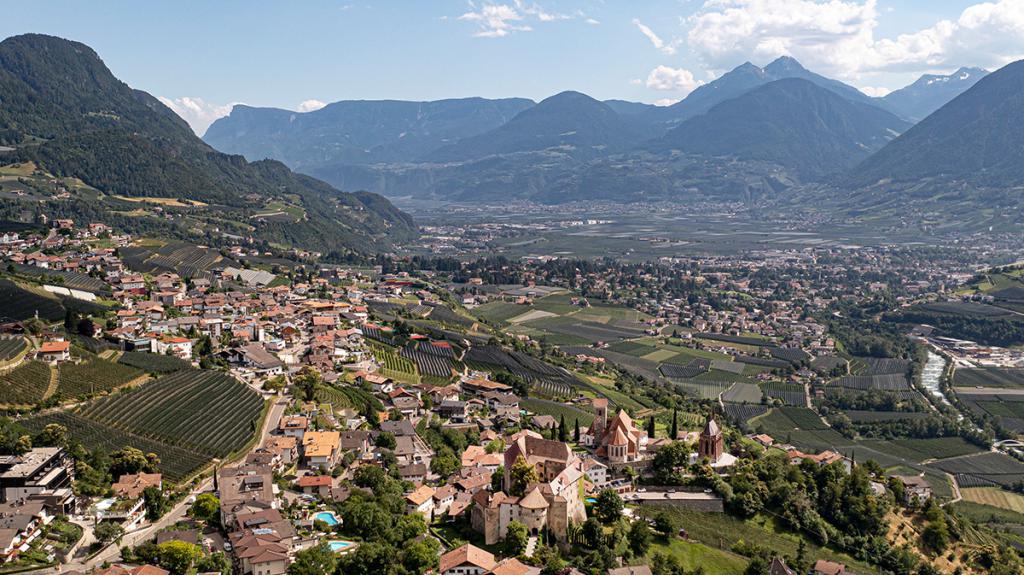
{"x":339,"y":546}
{"x":327,"y":517}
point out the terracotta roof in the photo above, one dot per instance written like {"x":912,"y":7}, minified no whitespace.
{"x":421,"y":495}
{"x":467,"y":554}
{"x":511,"y":566}
{"x":54,"y":346}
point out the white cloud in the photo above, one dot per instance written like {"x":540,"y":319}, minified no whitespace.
{"x":500,"y":20}
{"x":672,"y":79}
{"x":197,"y":112}
{"x":592,"y":21}
{"x":311,"y":105}
{"x":837,"y":37}
{"x":666,"y":101}
{"x":668,"y":48}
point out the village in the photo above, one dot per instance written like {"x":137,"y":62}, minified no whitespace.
{"x":365,"y":405}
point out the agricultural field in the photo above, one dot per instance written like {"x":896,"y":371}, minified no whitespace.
{"x":984,"y":469}
{"x":1010,"y":378}
{"x":18,"y":303}
{"x":721,"y":531}
{"x":428,"y":363}
{"x":209,"y":413}
{"x":994,"y":497}
{"x":744,"y":413}
{"x":395,"y":366}
{"x":782,"y":420}
{"x":348,"y":397}
{"x":93,"y":376}
{"x":879,"y":416}
{"x":11,"y":347}
{"x":176,"y":462}
{"x":187,"y":260}
{"x":68,"y":279}
{"x":152,"y":362}
{"x":26,"y":384}
{"x":743,"y":393}
{"x":557,"y":410}
{"x":791,"y":394}
{"x":703,"y":389}
{"x":498,"y":312}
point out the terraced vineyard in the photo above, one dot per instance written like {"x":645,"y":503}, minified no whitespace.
{"x":175,"y":462}
{"x":210,"y":413}
{"x":152,"y":362}
{"x":428,"y":364}
{"x":10,"y":347}
{"x":395,"y":366}
{"x":17,"y":303}
{"x":26,"y":384}
{"x":93,"y":376}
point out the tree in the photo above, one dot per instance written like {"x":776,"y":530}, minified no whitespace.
{"x":307,"y":380}
{"x":422,"y":555}
{"x":445,"y":464}
{"x":370,"y":558}
{"x":496,"y":479}
{"x":935,"y":535}
{"x":608,"y":507}
{"x":576,"y":431}
{"x":650,"y":427}
{"x":214,"y":563}
{"x":54,"y":435}
{"x":516,"y":539}
{"x":108,"y":531}
{"x":128,"y":461}
{"x":178,"y":556}
{"x":86,"y":327}
{"x":639,"y":538}
{"x":317,"y":560}
{"x":665,"y":523}
{"x":156,"y":503}
{"x":592,"y":532}
{"x":23,"y":445}
{"x":563,"y":432}
{"x":674,"y":431}
{"x":521,"y":476}
{"x":206,"y":507}
{"x":386,"y":440}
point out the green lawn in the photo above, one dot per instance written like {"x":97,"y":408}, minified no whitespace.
{"x":720,"y":531}
{"x":693,"y":555}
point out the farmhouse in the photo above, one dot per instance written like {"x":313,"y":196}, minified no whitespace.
{"x":54,"y":351}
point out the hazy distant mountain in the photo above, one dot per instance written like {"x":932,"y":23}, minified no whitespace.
{"x":793,"y":123}
{"x":747,"y":76}
{"x":63,"y":109}
{"x":930,"y":92}
{"x":974,"y":141}
{"x":357,"y":132}
{"x":569,"y":123}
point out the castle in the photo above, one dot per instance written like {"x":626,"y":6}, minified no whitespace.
{"x":552,"y":502}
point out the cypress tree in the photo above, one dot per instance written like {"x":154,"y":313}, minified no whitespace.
{"x":675,"y":424}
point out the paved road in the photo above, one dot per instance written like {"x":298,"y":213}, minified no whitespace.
{"x":112,"y":553}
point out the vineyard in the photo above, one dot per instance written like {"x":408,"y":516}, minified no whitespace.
{"x":152,"y":362}
{"x":393,"y":365}
{"x":175,"y":462}
{"x":10,"y":348}
{"x":429,"y":364}
{"x":558,"y":410}
{"x":789,"y":393}
{"x":350,"y":397}
{"x":206,"y":412}
{"x":989,"y":377}
{"x":26,"y":384}
{"x":987,"y":468}
{"x":17,"y":303}
{"x":741,"y":413}
{"x":93,"y":376}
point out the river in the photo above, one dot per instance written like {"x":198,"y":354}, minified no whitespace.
{"x":931,"y":376}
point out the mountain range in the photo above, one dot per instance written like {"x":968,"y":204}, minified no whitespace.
{"x":750,"y":133}
{"x":65,"y":111}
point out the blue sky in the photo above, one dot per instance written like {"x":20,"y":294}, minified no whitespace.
{"x":202,"y":56}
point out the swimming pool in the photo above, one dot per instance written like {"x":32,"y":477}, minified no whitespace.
{"x":327,"y":517}
{"x":591,"y":500}
{"x":340,"y":546}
